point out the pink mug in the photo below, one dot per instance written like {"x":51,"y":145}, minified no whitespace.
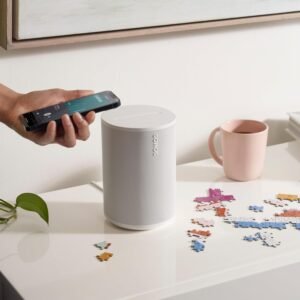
{"x":243,"y":145}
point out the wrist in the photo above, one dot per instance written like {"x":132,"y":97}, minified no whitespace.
{"x":8,"y":99}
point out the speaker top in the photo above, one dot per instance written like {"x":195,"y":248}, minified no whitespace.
{"x":138,"y":118}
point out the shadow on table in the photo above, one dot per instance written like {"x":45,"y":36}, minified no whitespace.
{"x":285,"y":167}
{"x":294,"y":149}
{"x":277,"y":131}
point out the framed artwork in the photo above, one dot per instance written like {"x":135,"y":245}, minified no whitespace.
{"x":29,"y":23}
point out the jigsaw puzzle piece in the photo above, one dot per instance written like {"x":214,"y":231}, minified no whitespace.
{"x":102,"y":245}
{"x":197,"y":245}
{"x":256,"y":208}
{"x":214,"y":195}
{"x":289,"y":197}
{"x":203,"y":222}
{"x":210,"y":206}
{"x":250,"y":238}
{"x":271,"y":242}
{"x":222,"y":212}
{"x":267,"y":239}
{"x":199,"y":233}
{"x":264,"y":235}
{"x":104,"y":256}
{"x":214,"y":192}
{"x":259,"y":225}
{"x":294,"y":213}
{"x":275,"y":202}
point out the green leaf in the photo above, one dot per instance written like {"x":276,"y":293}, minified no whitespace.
{"x":33,"y":202}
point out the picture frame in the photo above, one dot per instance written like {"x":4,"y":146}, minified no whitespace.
{"x":11,"y":17}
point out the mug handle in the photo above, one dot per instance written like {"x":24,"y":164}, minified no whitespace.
{"x":212,"y":148}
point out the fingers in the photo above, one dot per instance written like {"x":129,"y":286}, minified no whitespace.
{"x":69,"y":138}
{"x":83,"y":132}
{"x":90,"y":117}
{"x":68,"y":135}
{"x":49,"y":136}
{"x":69,"y":95}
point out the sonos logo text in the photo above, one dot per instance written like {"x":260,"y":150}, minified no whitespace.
{"x":155,"y":144}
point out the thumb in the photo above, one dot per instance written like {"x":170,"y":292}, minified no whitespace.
{"x":69,"y":95}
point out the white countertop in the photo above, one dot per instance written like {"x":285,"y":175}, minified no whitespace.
{"x":58,"y":262}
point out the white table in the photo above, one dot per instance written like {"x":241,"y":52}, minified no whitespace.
{"x":59,"y":262}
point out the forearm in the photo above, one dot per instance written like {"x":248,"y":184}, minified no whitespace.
{"x":7,"y":100}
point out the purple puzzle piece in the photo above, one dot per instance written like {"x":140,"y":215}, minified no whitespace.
{"x":214,"y":192}
{"x":215,"y":195}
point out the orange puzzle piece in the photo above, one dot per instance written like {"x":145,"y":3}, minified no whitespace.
{"x":221,"y":212}
{"x":289,"y":197}
{"x":194,"y":232}
{"x":289,"y":213}
{"x":104,"y":256}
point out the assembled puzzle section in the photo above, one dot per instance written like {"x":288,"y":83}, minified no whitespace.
{"x":216,"y":201}
{"x":267,"y":239}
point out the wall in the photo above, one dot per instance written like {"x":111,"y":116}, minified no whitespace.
{"x":205,"y":77}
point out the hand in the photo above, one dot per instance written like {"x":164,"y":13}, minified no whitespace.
{"x":64,"y":135}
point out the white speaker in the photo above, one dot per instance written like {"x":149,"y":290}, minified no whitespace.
{"x":139,"y":166}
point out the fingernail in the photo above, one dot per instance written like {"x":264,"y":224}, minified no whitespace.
{"x":79,"y":116}
{"x":67,"y":120}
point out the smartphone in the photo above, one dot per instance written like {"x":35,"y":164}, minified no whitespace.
{"x":38,"y":119}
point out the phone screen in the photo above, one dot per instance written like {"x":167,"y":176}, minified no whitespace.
{"x":87,"y":103}
{"x":96,"y":102}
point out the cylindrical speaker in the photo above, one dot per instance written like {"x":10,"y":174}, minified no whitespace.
{"x":139,"y":166}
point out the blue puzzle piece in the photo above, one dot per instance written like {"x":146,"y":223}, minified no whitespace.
{"x":256,"y":208}
{"x":102,"y":245}
{"x":250,"y":238}
{"x":259,"y":225}
{"x":197,"y":246}
{"x":258,"y":235}
{"x":263,"y":235}
{"x":277,"y":225}
{"x":297,"y":225}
